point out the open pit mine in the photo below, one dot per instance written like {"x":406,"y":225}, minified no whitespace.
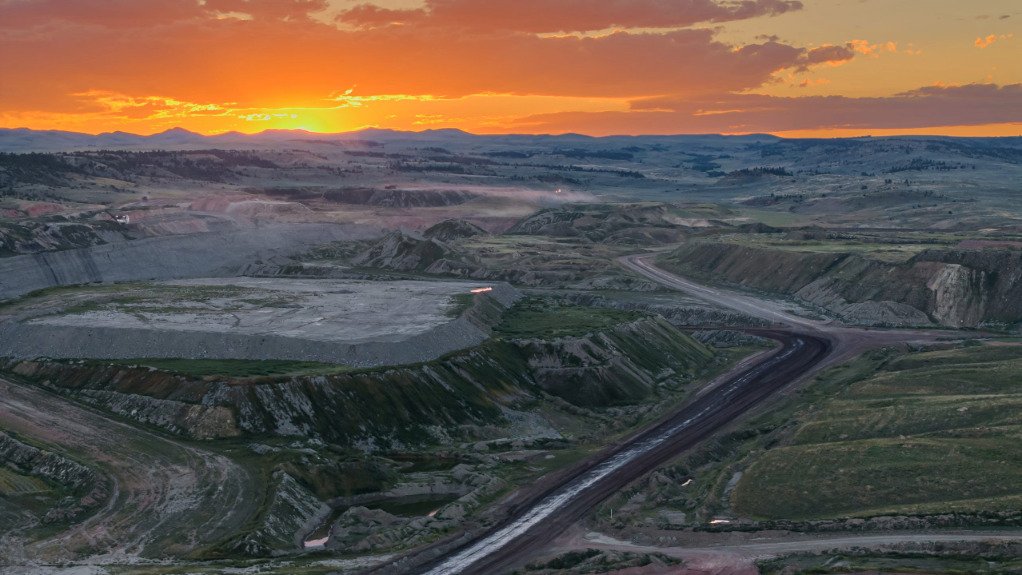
{"x":437,"y":353}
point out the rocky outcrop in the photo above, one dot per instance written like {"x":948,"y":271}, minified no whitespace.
{"x":197,"y":420}
{"x":291,"y":512}
{"x":442,"y":250}
{"x":403,"y":252}
{"x":369,"y":410}
{"x":454,"y":229}
{"x":361,"y":529}
{"x":954,"y":288}
{"x":975,"y":286}
{"x":626,"y":224}
{"x":88,"y":489}
{"x":619,"y":366}
{"x":30,"y":236}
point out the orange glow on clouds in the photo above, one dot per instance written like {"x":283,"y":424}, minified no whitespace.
{"x":491,"y":66}
{"x":984,"y":42}
{"x":981,"y":130}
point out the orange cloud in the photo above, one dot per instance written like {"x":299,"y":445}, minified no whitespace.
{"x":866,"y":48}
{"x":215,"y":65}
{"x":982,"y":42}
{"x":276,"y":63}
{"x":151,"y":107}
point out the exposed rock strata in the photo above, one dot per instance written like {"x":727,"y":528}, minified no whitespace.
{"x":954,"y":288}
{"x":292,"y":512}
{"x":466,"y":396}
{"x":88,"y":489}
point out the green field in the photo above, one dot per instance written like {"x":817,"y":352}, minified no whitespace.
{"x":927,"y":433}
{"x":537,"y":318}
{"x":14,"y":484}
{"x":891,"y":248}
{"x":992,"y":559}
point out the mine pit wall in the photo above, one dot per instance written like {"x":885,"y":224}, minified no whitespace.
{"x":472,"y":327}
{"x":952,"y":288}
{"x":219,"y":254}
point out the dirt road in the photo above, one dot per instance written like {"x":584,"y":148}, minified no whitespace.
{"x":755,"y":307}
{"x":729,"y":557}
{"x":168,"y":498}
{"x":550,"y":513}
{"x":808,"y":345}
{"x":848,"y":341}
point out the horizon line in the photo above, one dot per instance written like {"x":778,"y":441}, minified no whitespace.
{"x":897,"y":132}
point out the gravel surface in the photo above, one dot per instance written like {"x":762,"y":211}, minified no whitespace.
{"x":350,"y":322}
{"x":342,"y":311}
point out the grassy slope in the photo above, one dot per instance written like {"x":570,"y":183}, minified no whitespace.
{"x":992,"y":559}
{"x":240,"y":368}
{"x":929,"y":433}
{"x":538,"y":318}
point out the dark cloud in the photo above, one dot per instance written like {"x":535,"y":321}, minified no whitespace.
{"x":825,"y":55}
{"x":145,"y":13}
{"x":547,"y":16}
{"x":105,"y":13}
{"x":975,"y":104}
{"x":272,"y":9}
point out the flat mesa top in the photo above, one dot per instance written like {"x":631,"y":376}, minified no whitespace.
{"x":349,"y":311}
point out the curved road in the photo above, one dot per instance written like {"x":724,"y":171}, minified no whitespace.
{"x":806,"y":344}
{"x":739,"y":302}
{"x":570,"y":502}
{"x":560,"y":507}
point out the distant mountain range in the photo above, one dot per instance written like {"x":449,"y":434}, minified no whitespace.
{"x":24,"y":139}
{"x":28,"y":140}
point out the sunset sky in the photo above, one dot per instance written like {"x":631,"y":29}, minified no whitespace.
{"x":809,"y":67}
